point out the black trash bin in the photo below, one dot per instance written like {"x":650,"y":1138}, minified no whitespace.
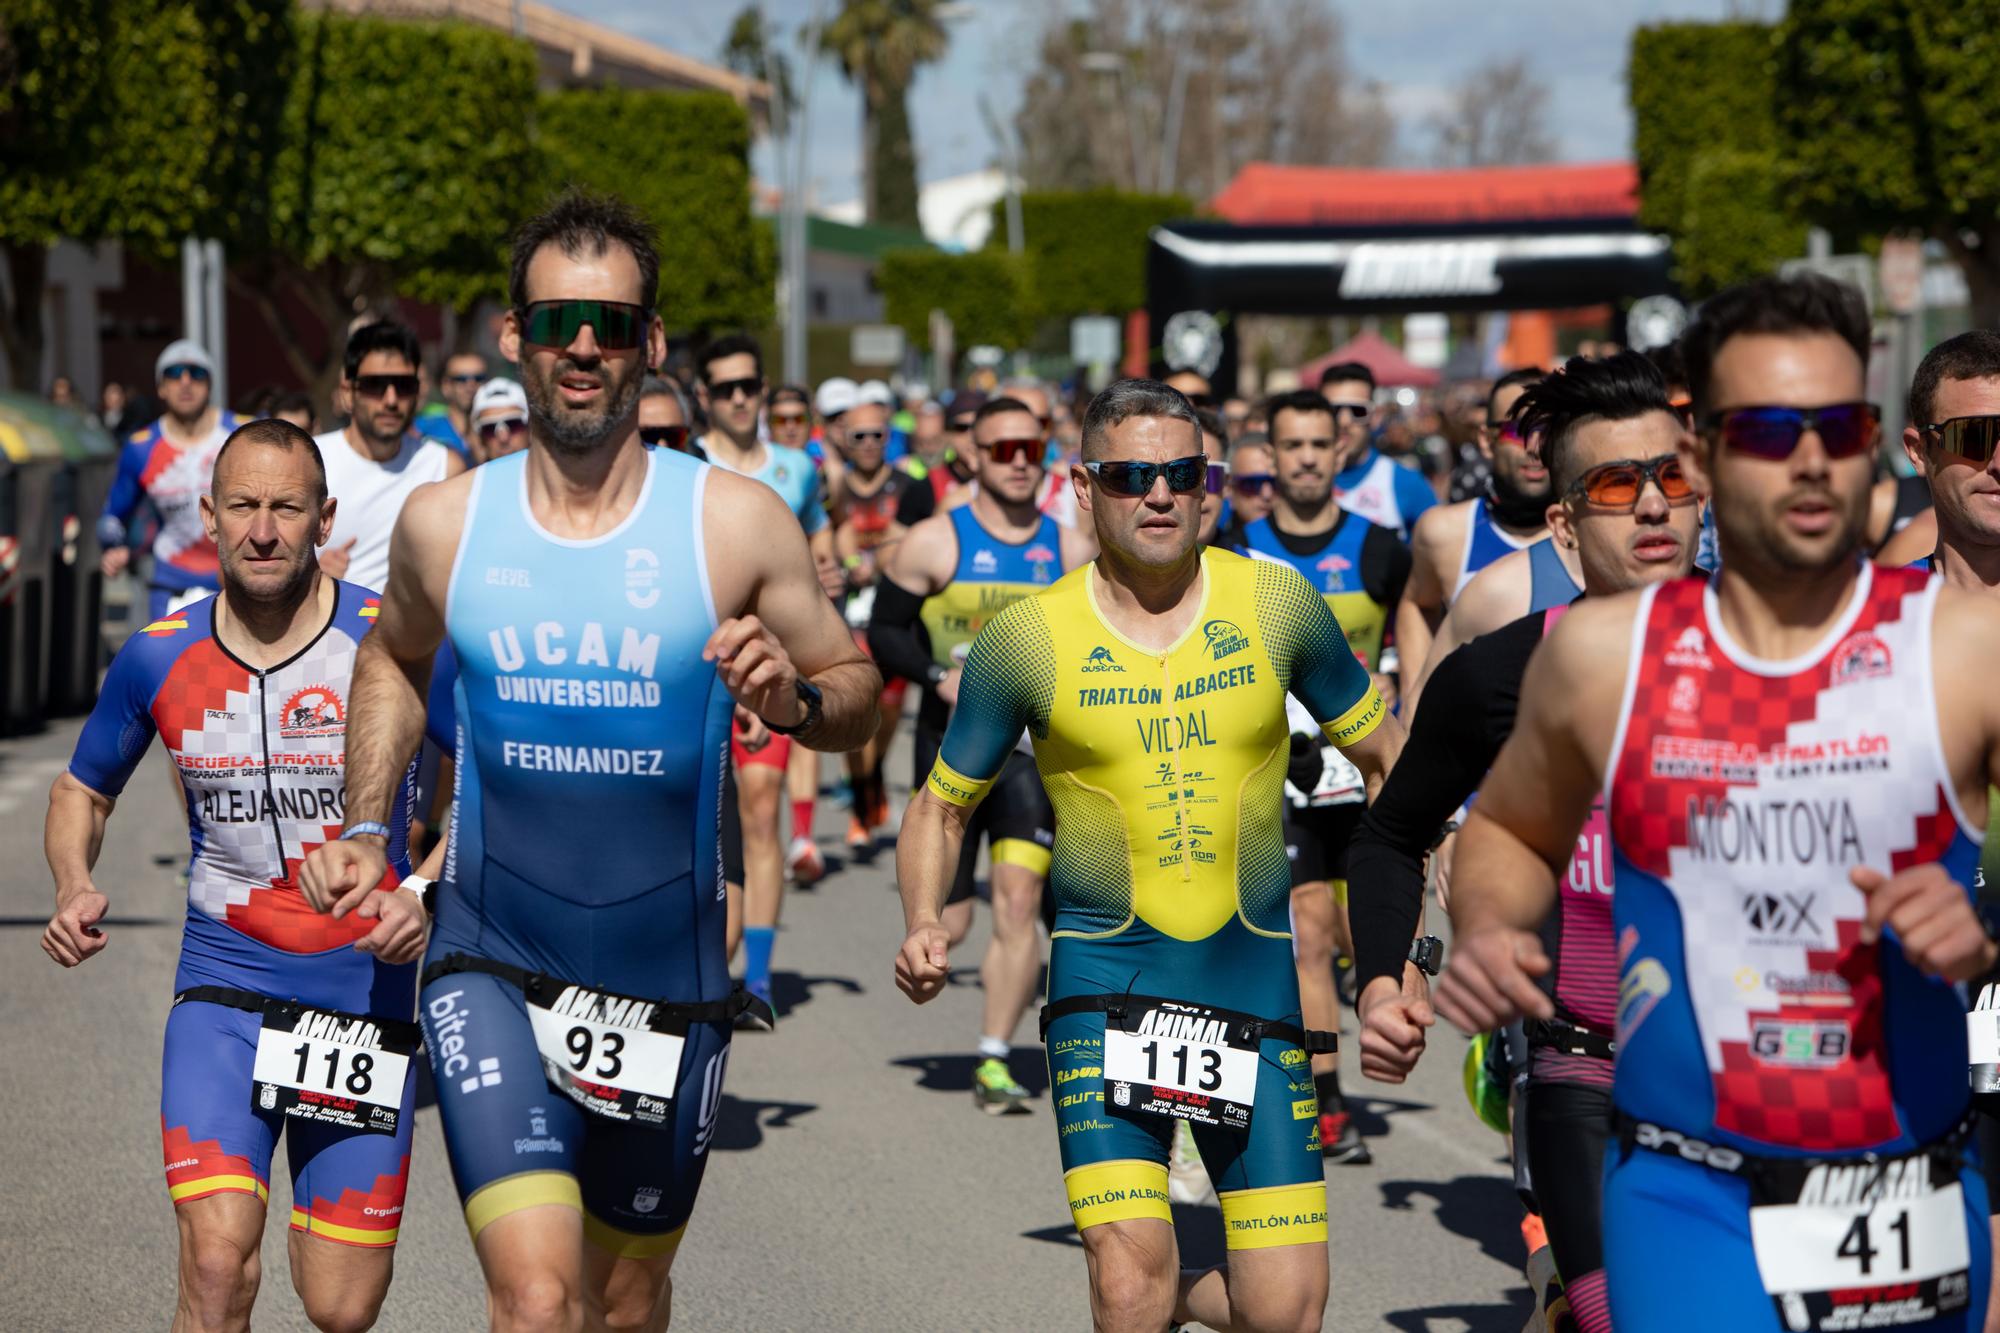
{"x":76,"y":584}
{"x":27,"y":550}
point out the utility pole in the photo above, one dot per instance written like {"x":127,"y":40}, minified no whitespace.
{"x":1010,"y":166}
{"x":793,"y":233}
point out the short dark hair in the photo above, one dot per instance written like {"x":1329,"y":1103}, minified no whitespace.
{"x":580,"y":223}
{"x":1522,"y":375}
{"x":1296,"y":400}
{"x":993,"y":407}
{"x":729,"y":344}
{"x":278,"y":434}
{"x":1211,"y":424}
{"x":1667,"y":359}
{"x":1806,"y":303}
{"x":1121,"y":400}
{"x":791,"y":393}
{"x":1342,"y":371}
{"x":1969,"y":356}
{"x":294,"y":401}
{"x":384,"y":335}
{"x":1587,"y":389}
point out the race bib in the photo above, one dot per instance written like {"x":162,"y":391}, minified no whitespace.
{"x":1340,"y":782}
{"x":1185,"y":1062}
{"x":1865,"y":1245}
{"x":609,"y":1053}
{"x":331,"y":1068}
{"x":1982,"y":1041}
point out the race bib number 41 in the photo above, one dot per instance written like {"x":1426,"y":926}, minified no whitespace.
{"x":1865,"y":1245}
{"x":604,"y":1051}
{"x":1185,"y":1062}
{"x":331,"y":1068}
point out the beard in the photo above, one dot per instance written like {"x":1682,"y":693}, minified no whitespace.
{"x":570,"y":430}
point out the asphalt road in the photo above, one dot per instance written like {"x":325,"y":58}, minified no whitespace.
{"x":854,"y":1187}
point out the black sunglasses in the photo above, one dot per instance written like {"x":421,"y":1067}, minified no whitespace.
{"x":857,"y":435}
{"x":199,"y":374}
{"x":469,"y":377}
{"x":673,"y":437}
{"x":618,"y":325}
{"x":1772,"y":433}
{"x":1184,"y":476}
{"x":1348,"y":411}
{"x":1973,"y":438}
{"x":723,"y":391}
{"x":378,"y":386}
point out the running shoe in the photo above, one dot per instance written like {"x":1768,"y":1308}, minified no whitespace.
{"x":994,"y":1090}
{"x":1187,"y":1178}
{"x":1340,"y":1142}
{"x":804,"y":863}
{"x":858,"y":837}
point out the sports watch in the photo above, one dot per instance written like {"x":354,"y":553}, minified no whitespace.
{"x":1428,"y":954}
{"x":814,"y":701}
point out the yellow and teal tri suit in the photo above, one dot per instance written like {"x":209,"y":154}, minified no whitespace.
{"x":1165,"y":769}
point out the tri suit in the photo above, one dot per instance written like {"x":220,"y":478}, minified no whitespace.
{"x":1170,"y":880}
{"x":171,"y":478}
{"x":576,"y":997}
{"x":260,"y":756}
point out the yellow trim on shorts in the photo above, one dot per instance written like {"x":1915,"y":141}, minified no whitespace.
{"x":1026,"y":853}
{"x":630,"y":1244}
{"x":200,"y":1189}
{"x":511,"y":1194}
{"x":1276,"y":1215}
{"x":1339,"y":890}
{"x":1358,"y":721}
{"x":318,"y":1226}
{"x":1119,"y":1191}
{"x":954,"y":788}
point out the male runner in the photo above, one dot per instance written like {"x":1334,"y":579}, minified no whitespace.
{"x":1786,"y":754}
{"x":1368,"y":482}
{"x":284,"y":1023}
{"x":1253,"y":485}
{"x":956,"y":468}
{"x":1215,"y":490}
{"x":731,"y":389}
{"x":1360,"y":569}
{"x":604,"y":608}
{"x":947,"y":580}
{"x":1152,"y":682}
{"x":1457,"y":541}
{"x":168,"y":465}
{"x":1628,"y":512}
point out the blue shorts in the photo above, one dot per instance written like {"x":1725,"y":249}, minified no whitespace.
{"x":516,"y":1142}
{"x":1677,"y":1250}
{"x":347,"y":1185}
{"x":1269,"y":1178}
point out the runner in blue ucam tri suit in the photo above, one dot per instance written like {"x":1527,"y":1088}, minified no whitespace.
{"x":604,"y":609}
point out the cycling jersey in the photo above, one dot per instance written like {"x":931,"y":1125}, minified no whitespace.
{"x":1751,"y":1016}
{"x":259,"y":754}
{"x":990,"y":576}
{"x":792,"y":474}
{"x":172,"y":478}
{"x":1169,"y":863}
{"x":591,"y":738}
{"x":1485,"y":542}
{"x":1382,"y":491}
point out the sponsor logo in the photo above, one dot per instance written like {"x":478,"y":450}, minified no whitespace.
{"x":1643,"y":986}
{"x":711,"y":1100}
{"x":371,"y":607}
{"x":1305,"y":1110}
{"x":1121,"y":1094}
{"x":1799,"y":1045}
{"x":638,"y":654}
{"x":1224,"y":639}
{"x":1100,"y":659}
{"x":984,"y":561}
{"x":1040,"y":555}
{"x":267,"y":1096}
{"x":1860,"y":656}
{"x":500,"y":577}
{"x":446,"y":1039}
{"x":1784,"y":914}
{"x":1661,"y":1139}
{"x":642,"y":577}
{"x":1684,"y":698}
{"x":1690,"y":649}
{"x":313,"y":711}
{"x":1195,"y":1027}
{"x":646,"y":1199}
{"x":218,"y":715}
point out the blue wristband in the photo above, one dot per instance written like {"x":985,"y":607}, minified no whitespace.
{"x":366,"y":829}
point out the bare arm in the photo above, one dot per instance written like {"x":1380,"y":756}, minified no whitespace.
{"x":1497,"y":595}
{"x":927,"y":850}
{"x":1422,"y":607}
{"x":71,"y":838}
{"x":1375,"y":754}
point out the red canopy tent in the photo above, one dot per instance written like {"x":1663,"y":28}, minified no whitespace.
{"x":1391,"y":367}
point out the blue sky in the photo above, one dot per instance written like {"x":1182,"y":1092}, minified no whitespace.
{"x":1416,"y":48}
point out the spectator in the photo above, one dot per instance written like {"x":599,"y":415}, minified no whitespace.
{"x":664,"y":419}
{"x":111,"y":407}
{"x":296,"y":408}
{"x":788,"y":416}
{"x":62,"y":391}
{"x":464,"y":373}
{"x":374,"y":463}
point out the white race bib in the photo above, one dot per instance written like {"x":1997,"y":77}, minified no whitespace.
{"x":330,"y":1068}
{"x":601,"y":1049}
{"x":1185,"y":1062}
{"x":1982,"y":1040}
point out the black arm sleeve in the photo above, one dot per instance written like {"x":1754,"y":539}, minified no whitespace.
{"x":895,"y":636}
{"x":1385,"y":567}
{"x":1456,"y":735}
{"x":917,"y":503}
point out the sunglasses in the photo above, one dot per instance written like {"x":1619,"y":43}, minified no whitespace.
{"x":724,"y":391}
{"x":1348,"y":411}
{"x":378,"y":386}
{"x":199,"y":374}
{"x":470,"y":377}
{"x":489,"y":430}
{"x":1771,"y":433}
{"x":1973,"y":438}
{"x":787,"y":420}
{"x":1007,"y":452}
{"x":1184,"y":476}
{"x":673,"y":437}
{"x":1218,"y":478}
{"x":1252,"y":484}
{"x":1509,"y":430}
{"x":958,"y":427}
{"x":855,"y":436}
{"x":618,"y":325}
{"x":1197,"y":399}
{"x":1618,"y":486}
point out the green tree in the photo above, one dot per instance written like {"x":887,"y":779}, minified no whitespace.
{"x":682,"y":159}
{"x":985,"y":293}
{"x":402,"y":161}
{"x":128,"y":120}
{"x":747,"y":50}
{"x":880,"y":44}
{"x":1883,"y":108}
{"x":1704,"y":134}
{"x":1086,"y":249}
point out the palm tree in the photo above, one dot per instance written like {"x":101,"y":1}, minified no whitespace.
{"x":880,"y":44}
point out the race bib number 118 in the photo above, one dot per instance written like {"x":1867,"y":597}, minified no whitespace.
{"x":330,"y":1068}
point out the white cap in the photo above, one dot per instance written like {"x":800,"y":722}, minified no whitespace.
{"x":875,"y":391}
{"x":500,"y":392}
{"x":183,"y":352}
{"x":835,"y":396}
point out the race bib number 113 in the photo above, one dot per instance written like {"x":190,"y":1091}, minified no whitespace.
{"x":1185,"y":1062}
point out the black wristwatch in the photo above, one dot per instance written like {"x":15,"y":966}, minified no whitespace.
{"x":1428,"y":954}
{"x":934,"y":675}
{"x":814,"y":701}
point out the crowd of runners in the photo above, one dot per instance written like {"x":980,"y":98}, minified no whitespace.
{"x":500,"y":732}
